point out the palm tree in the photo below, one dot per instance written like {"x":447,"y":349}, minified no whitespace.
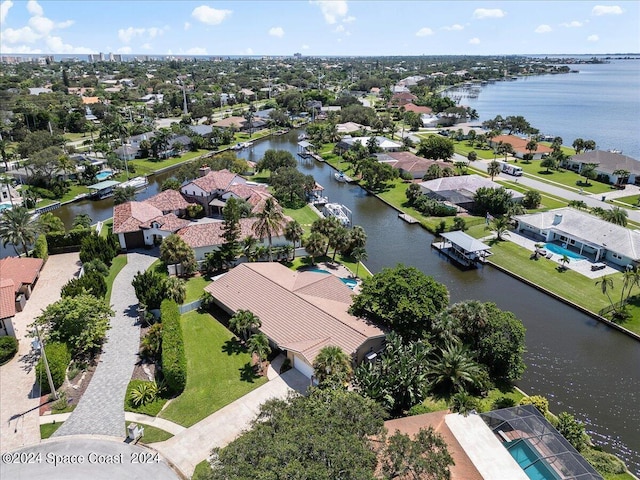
{"x":606,"y":285}
{"x":339,"y":240}
{"x":564,"y":261}
{"x":160,"y":142}
{"x":175,"y":289}
{"x":453,"y":370}
{"x":293,"y":232}
{"x":248,"y":246}
{"x":243,"y":322}
{"x":500,"y":226}
{"x":494,"y":169}
{"x":531,"y":146}
{"x":617,"y":216}
{"x":269,"y":221}
{"x":17,"y":226}
{"x":315,"y":245}
{"x":359,"y":254}
{"x":258,"y":344}
{"x":332,"y":367}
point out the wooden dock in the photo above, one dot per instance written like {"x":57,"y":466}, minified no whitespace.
{"x":407,"y":218}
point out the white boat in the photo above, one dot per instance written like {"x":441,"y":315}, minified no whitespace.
{"x":339,"y":176}
{"x":342,"y":213}
{"x":138,"y":183}
{"x":302,"y":136}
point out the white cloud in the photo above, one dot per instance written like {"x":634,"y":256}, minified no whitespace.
{"x":153,"y":32}
{"x":146,"y":46}
{"x":124,"y":50}
{"x":572,"y":24}
{"x":56,"y":45}
{"x":34,"y":8}
{"x":333,"y":10}
{"x":543,"y":29}
{"x":276,"y":32}
{"x":305,"y":47}
{"x":424,"y":32}
{"x":210,"y":16}
{"x":65,"y":24}
{"x":19,"y":49}
{"x":248,"y":51}
{"x":481,"y":13}
{"x":197,"y":51}
{"x":187,"y":25}
{"x":339,"y":29}
{"x":349,"y":19}
{"x":20,"y":35}
{"x":5,"y":6}
{"x":600,"y":10}
{"x":128,"y":34}
{"x":474,"y":41}
{"x":454,"y":27}
{"x":42,"y":25}
{"x":593,"y":38}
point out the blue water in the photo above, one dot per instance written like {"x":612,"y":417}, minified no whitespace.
{"x":599,"y":103}
{"x":349,"y":282}
{"x":529,"y":461}
{"x":103,"y":175}
{"x":558,"y":250}
{"x":4,"y":206}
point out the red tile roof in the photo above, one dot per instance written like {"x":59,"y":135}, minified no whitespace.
{"x":128,"y":217}
{"x":7,"y":298}
{"x":410,"y":107}
{"x":168,"y":223}
{"x":409,"y":162}
{"x":22,"y":271}
{"x":210,"y":233}
{"x":519,"y":144}
{"x":168,"y":201}
{"x":215,"y":180}
{"x":230,"y":122}
{"x":300,"y":311}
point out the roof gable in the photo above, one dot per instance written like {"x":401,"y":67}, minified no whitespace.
{"x":21,"y":271}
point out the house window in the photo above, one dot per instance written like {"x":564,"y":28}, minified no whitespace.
{"x":616,"y":256}
{"x":563,"y":238}
{"x":572,"y":242}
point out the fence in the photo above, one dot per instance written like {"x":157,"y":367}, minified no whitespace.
{"x":187,"y":307}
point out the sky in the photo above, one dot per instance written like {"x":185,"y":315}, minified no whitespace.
{"x":319,"y":28}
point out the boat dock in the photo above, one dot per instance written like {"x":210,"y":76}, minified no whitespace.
{"x":463,"y":249}
{"x":407,"y":218}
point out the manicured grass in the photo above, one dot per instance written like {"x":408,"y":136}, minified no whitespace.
{"x":146,"y":166}
{"x":118,"y":264}
{"x":152,"y":434}
{"x":107,"y":227}
{"x":619,"y":476}
{"x":568,"y":178}
{"x":152,"y":408}
{"x":195,"y":287}
{"x":305,"y":216}
{"x":486,"y":404}
{"x":202,"y":470}
{"x":72,"y":137}
{"x":49,"y":429}
{"x":548,"y":201}
{"x":632,"y":200}
{"x":219,"y":370}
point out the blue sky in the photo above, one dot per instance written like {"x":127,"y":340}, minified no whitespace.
{"x":335,"y":27}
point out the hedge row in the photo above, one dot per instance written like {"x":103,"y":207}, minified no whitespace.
{"x":91,"y":282}
{"x":64,"y":242}
{"x":59,"y":358}
{"x":174,"y":361}
{"x":8,"y":349}
{"x":97,"y":247}
{"x":41,"y":249}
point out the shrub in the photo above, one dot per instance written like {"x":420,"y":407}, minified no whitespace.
{"x":195,"y":211}
{"x":604,"y":463}
{"x":538,"y":401}
{"x":41,"y":249}
{"x":96,"y":265}
{"x":532,"y":199}
{"x":145,"y":392}
{"x":95,"y":246}
{"x":67,"y":242}
{"x":149,"y":287}
{"x":174,"y":361}
{"x":419,"y":409}
{"x":151,"y":345}
{"x":58,"y":357}
{"x":503,"y":402}
{"x":61,"y":403}
{"x":8,"y":349}
{"x":91,"y":282}
{"x":572,"y":430}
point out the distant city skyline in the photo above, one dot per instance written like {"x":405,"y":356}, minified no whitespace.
{"x":319,"y":28}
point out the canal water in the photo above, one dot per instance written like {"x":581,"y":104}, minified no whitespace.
{"x":579,"y":364}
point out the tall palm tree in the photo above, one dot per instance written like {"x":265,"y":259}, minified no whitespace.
{"x":453,"y":370}
{"x":500,"y":226}
{"x":175,"y":289}
{"x":339,"y":240}
{"x":332,"y":367}
{"x":258,"y":344}
{"x":17,"y":226}
{"x":315,"y":245}
{"x":606,"y":285}
{"x":617,"y":216}
{"x":494,"y":169}
{"x":293,"y":232}
{"x":243,"y":322}
{"x":359,"y":254}
{"x":531,"y":146}
{"x":269,"y":221}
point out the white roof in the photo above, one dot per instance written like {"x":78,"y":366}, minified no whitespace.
{"x":469,"y":183}
{"x":466,"y":242}
{"x":585,"y":226}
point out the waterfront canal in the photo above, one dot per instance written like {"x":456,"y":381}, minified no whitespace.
{"x":581,"y":365}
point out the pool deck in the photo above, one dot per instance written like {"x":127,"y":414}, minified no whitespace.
{"x":339,"y":271}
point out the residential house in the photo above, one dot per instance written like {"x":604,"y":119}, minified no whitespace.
{"x":7,"y":307}
{"x":461,"y":190}
{"x":407,"y":162}
{"x":608,"y":163}
{"x":584,"y":234}
{"x":301,"y":311}
{"x":19,"y":276}
{"x":230,"y":122}
{"x":403,"y":97}
{"x":520,"y":146}
{"x":202,"y":130}
{"x":385,"y":144}
{"x":350,"y":127}
{"x":170,"y":201}
{"x":208,"y":189}
{"x":411,"y":107}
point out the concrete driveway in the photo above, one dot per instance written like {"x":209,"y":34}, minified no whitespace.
{"x":19,"y":400}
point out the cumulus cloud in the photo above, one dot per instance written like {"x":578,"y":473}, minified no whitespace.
{"x":600,"y":10}
{"x":20,"y":35}
{"x":333,"y":10}
{"x":454,"y":27}
{"x":248,"y":51}
{"x":572,"y":24}
{"x":543,"y":29}
{"x":593,"y":38}
{"x":56,"y":45}
{"x":424,"y":32}
{"x":474,"y":41}
{"x":34,"y":8}
{"x":23,"y":49}
{"x":42,"y":25}
{"x":5,"y":6}
{"x":197,"y":51}
{"x":124,"y":50}
{"x":187,"y":25}
{"x":482,"y":13}
{"x":276,"y":32}
{"x":210,"y":16}
{"x":65,"y":24}
{"x":126,"y":35}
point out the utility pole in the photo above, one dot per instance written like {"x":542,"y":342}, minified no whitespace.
{"x":37,"y":343}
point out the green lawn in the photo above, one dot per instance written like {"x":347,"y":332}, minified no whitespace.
{"x":202,"y":470}
{"x":567,"y":178}
{"x":118,"y":264}
{"x":152,"y":434}
{"x":218,"y":370}
{"x":146,"y":166}
{"x":305,"y":216}
{"x":72,"y":137}
{"x":107,"y":227}
{"x":49,"y":429}
{"x":631,"y":200}
{"x":195,"y":287}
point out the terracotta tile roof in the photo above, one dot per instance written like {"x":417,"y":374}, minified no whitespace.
{"x":210,"y":233}
{"x":169,"y":200}
{"x":128,"y":217}
{"x":229,"y":122}
{"x":7,"y":298}
{"x":409,"y":162}
{"x":90,"y":100}
{"x":410,"y":107}
{"x":299,"y":310}
{"x":463,"y":468}
{"x":215,"y":180}
{"x":22,"y":271}
{"x":519,"y":144}
{"x":168,"y":223}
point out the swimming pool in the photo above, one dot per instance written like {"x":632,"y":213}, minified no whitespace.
{"x":534,"y":466}
{"x":104,"y":174}
{"x":4,"y":206}
{"x":349,"y":282}
{"x":558,"y":250}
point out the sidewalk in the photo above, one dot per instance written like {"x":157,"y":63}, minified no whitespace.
{"x":19,"y":396}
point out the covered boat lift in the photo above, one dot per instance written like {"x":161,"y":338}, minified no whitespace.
{"x":103,"y":189}
{"x":463,"y":248}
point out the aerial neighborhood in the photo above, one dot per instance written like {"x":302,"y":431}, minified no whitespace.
{"x":279,"y":267}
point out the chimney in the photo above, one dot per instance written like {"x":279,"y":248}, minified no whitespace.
{"x":557,"y":218}
{"x":203,"y":170}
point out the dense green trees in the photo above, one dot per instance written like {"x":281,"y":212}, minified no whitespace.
{"x":96,"y":247}
{"x":436,"y":147}
{"x":175,"y":251}
{"x":332,"y":367}
{"x":492,"y":200}
{"x":270,"y":222}
{"x":243,"y":322}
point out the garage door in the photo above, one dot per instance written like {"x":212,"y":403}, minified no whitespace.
{"x":302,"y":366}
{"x":134,"y":239}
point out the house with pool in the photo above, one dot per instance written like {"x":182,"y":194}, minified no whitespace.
{"x":581,"y":235}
